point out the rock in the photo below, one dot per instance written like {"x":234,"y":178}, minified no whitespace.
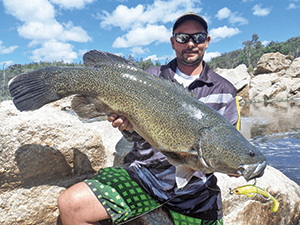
{"x":266,"y":87}
{"x":270,"y":87}
{"x":42,"y":153}
{"x":274,"y":90}
{"x":273,"y":62}
{"x":264,"y":81}
{"x":294,"y":69}
{"x":276,"y":79}
{"x":285,"y":85}
{"x":243,"y":95}
{"x":295,"y":88}
{"x":244,"y":210}
{"x":259,"y":84}
{"x":239,"y":76}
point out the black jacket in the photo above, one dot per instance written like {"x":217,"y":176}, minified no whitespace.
{"x":201,"y":197}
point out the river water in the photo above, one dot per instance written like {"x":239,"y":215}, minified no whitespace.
{"x":275,"y":129}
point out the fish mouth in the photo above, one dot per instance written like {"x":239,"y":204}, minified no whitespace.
{"x":252,"y":171}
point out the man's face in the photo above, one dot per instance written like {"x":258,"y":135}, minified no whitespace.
{"x":190,"y":53}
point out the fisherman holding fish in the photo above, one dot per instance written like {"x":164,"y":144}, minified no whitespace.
{"x":182,"y":134}
{"x":147,"y":179}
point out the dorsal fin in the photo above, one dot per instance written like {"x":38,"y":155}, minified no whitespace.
{"x":97,"y":58}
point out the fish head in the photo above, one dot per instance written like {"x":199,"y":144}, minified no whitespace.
{"x":227,"y":151}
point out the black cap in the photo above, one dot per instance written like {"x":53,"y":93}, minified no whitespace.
{"x":190,"y":16}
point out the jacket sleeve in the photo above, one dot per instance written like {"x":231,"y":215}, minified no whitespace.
{"x":132,"y":136}
{"x":155,"y":71}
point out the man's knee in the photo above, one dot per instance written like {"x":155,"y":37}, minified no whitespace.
{"x":78,"y":203}
{"x":72,"y":198}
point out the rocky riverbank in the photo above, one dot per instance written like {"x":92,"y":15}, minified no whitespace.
{"x":45,"y":151}
{"x":276,"y":78}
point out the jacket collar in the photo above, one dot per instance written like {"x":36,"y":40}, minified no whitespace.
{"x":205,"y":76}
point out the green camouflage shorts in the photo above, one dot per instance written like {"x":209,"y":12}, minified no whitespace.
{"x":123,"y":198}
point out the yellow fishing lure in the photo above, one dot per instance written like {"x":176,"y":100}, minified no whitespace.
{"x":251,"y":189}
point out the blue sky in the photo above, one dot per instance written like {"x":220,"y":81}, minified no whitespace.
{"x":49,"y":30}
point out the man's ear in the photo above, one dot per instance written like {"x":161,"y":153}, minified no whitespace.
{"x":207,"y":41}
{"x":172,"y":42}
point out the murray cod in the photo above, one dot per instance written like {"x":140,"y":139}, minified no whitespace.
{"x":192,"y":135}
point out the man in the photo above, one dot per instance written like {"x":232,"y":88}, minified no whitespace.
{"x":147,"y":179}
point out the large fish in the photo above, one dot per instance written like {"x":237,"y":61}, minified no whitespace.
{"x":192,"y":135}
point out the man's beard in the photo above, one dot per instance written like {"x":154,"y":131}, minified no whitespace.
{"x":197,"y":59}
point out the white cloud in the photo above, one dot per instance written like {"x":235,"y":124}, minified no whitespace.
{"x":139,"y":50}
{"x":4,"y":50}
{"x":30,"y":10}
{"x":121,"y":54}
{"x":41,"y":27}
{"x":74,"y":33}
{"x":265,"y":43}
{"x":40,"y":30}
{"x":53,"y":30}
{"x":160,"y":11}
{"x":7,"y":63}
{"x":152,"y":58}
{"x":209,"y":55}
{"x":223,"y":13}
{"x":53,"y":50}
{"x":144,"y":23}
{"x":223,"y":32}
{"x":70,"y":4}
{"x":143,"y":36}
{"x":259,"y":11}
{"x":163,"y":58}
{"x":233,"y":18}
{"x":82,"y":52}
{"x":293,"y":6}
{"x":122,"y":17}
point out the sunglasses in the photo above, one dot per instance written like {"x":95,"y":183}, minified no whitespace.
{"x":197,"y":38}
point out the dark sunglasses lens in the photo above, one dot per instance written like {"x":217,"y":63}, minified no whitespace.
{"x":199,"y":38}
{"x":182,"y":38}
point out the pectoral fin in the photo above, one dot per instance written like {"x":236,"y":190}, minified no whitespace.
{"x":86,"y":110}
{"x":183,"y":175}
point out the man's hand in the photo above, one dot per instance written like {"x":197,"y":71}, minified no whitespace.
{"x":120,"y":122}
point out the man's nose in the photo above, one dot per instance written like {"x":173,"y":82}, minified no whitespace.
{"x":191,"y":42}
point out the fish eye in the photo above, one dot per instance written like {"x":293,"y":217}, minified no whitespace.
{"x":251,"y":153}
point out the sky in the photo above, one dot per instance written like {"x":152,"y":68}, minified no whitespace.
{"x":55,"y":30}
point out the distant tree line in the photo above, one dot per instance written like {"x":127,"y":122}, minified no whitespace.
{"x":249,"y":55}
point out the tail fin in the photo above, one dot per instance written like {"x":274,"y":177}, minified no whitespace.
{"x":30,"y":91}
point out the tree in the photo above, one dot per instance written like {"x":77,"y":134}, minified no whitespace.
{"x":145,"y":64}
{"x":253,"y":50}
